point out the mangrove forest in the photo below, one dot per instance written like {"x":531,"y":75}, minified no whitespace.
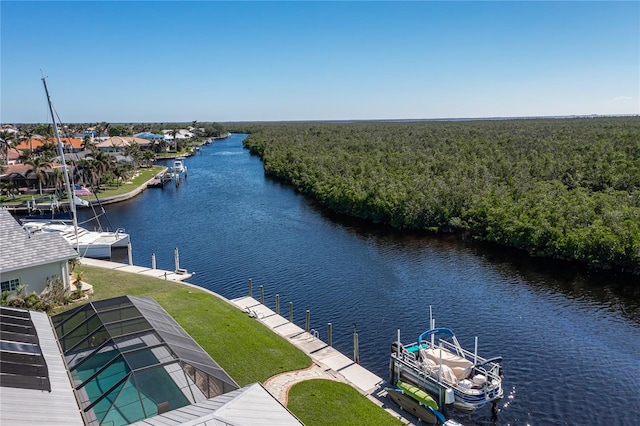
{"x":561,"y":188}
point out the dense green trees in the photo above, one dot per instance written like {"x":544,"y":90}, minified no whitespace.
{"x":562,"y":188}
{"x":119,"y":130}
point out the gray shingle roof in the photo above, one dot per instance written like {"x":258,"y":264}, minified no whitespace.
{"x":19,"y":250}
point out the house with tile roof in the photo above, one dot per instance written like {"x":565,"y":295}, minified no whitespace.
{"x":36,"y":143}
{"x":120,"y":143}
{"x":30,"y":259}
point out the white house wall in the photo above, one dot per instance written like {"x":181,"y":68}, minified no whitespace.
{"x":36,"y":277}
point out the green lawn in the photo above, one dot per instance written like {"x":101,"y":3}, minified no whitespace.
{"x":326,"y":402}
{"x":114,"y":190}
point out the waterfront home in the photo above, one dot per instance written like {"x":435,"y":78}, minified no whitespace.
{"x":120,"y":361}
{"x":120,"y":143}
{"x":23,"y":177}
{"x":180,"y":134}
{"x":31,"y":259}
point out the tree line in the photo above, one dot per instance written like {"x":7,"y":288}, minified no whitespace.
{"x":559,"y":188}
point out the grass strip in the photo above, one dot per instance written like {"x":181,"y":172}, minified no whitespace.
{"x":326,"y":402}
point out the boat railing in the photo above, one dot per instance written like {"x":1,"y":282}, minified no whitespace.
{"x":489,"y":368}
{"x":483,"y":366}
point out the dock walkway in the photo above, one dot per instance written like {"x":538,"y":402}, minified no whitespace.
{"x":329,"y":363}
{"x":157,"y":273}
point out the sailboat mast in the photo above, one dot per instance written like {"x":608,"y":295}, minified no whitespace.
{"x":67,"y":184}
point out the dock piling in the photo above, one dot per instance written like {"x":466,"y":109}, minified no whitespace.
{"x":176,"y":257}
{"x":262,"y":295}
{"x":290,"y":311}
{"x":329,"y":327}
{"x":356,"y":354}
{"x":250,"y":287}
{"x":130,"y":253}
{"x":277,"y":304}
{"x":306,"y":326}
{"x":153,"y":261}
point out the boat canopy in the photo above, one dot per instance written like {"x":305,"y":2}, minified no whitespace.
{"x":435,"y":331}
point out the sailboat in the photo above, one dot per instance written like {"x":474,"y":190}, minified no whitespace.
{"x":94,"y":244}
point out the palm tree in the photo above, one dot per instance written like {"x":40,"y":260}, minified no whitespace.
{"x":87,"y":143}
{"x":133,"y":151}
{"x":39,"y":167}
{"x":9,"y":188}
{"x":175,"y":132}
{"x":102,"y":128}
{"x":27,"y":135}
{"x":5,"y":142}
{"x":85,"y":171}
{"x":26,"y":155}
{"x":58,"y":178}
{"x":103,"y":163}
{"x":148,"y":156}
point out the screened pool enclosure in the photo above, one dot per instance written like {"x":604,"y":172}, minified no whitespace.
{"x":129,"y":360}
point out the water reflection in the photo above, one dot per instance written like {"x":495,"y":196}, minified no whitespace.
{"x":550,"y":321}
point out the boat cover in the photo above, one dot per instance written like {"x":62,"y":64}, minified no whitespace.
{"x":454,"y":367}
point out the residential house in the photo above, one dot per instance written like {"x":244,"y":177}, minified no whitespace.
{"x":13,"y":156}
{"x":120,"y":143}
{"x":180,"y":134}
{"x":36,"y":143}
{"x":22,"y":175}
{"x":127,"y":361}
{"x":31,"y":259}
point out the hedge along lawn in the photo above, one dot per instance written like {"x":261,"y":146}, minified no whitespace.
{"x":243,"y":346}
{"x":326,"y":402}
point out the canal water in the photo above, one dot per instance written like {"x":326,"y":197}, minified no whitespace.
{"x":570,"y":339}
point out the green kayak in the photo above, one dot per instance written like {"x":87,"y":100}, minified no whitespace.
{"x":418,"y":394}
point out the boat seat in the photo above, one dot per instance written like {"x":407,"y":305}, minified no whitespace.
{"x":454,"y":367}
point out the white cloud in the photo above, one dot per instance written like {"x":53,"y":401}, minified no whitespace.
{"x":622,"y":98}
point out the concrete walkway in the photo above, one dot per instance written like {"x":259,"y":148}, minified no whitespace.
{"x":280,"y":384}
{"x":156,"y":273}
{"x":329,"y":363}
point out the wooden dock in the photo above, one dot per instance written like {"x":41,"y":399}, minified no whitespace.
{"x":159,"y":181}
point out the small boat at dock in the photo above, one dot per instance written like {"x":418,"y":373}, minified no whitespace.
{"x":178,"y":166}
{"x":94,"y":244}
{"x":455,"y":376}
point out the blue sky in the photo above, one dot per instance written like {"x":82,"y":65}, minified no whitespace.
{"x":150,"y":61}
